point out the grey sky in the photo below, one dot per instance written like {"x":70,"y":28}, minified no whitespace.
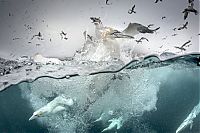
{"x":50,"y":17}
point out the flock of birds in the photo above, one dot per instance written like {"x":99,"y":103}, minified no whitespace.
{"x":186,"y":12}
{"x":60,"y":103}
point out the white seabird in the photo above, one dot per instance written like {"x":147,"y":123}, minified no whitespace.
{"x":104,"y":115}
{"x":189,"y":120}
{"x":56,"y":105}
{"x":114,"y":123}
{"x":133,"y":29}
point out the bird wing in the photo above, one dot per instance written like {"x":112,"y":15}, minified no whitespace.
{"x":185,"y":43}
{"x":131,"y":29}
{"x":136,"y":28}
{"x":58,"y":109}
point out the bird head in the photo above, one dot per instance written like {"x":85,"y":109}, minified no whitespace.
{"x":95,"y":20}
{"x":37,"y":114}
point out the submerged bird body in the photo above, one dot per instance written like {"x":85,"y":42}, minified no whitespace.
{"x":189,"y":120}
{"x":57,"y":105}
{"x":114,"y":123}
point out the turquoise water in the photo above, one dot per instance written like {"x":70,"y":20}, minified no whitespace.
{"x":150,"y":99}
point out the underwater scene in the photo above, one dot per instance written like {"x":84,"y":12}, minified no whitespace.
{"x":99,"y":66}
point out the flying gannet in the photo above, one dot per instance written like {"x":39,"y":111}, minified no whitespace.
{"x":132,"y":29}
{"x":56,"y":105}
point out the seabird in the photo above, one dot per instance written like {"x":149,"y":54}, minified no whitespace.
{"x":184,"y":26}
{"x":189,"y":9}
{"x":142,"y":38}
{"x":114,"y":123}
{"x":107,"y":2}
{"x":38,"y":35}
{"x":104,"y":115}
{"x":135,"y":28}
{"x":56,"y":105}
{"x":100,"y":118}
{"x":157,"y":1}
{"x":130,"y":11}
{"x":106,"y":32}
{"x":63,"y":35}
{"x":131,"y":30}
{"x":184,"y":45}
{"x":190,"y":118}
{"x":163,"y":17}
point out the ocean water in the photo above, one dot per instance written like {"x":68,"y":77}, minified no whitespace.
{"x":152,"y":98}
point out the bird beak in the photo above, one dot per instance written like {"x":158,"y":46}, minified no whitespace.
{"x":32,"y":117}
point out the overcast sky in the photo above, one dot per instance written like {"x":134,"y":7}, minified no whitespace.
{"x":50,"y":17}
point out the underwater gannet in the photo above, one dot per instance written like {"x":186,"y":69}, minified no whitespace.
{"x":114,"y":123}
{"x":103,"y":115}
{"x":56,"y":105}
{"x":100,"y":118}
{"x":189,"y":120}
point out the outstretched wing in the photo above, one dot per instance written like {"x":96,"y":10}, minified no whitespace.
{"x":135,"y":28}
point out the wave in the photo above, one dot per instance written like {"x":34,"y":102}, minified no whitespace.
{"x":27,"y":71}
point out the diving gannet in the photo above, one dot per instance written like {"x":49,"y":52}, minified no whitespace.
{"x":100,"y":118}
{"x":56,"y":105}
{"x":135,"y":28}
{"x":103,"y":115}
{"x":114,"y":123}
{"x":189,"y":120}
